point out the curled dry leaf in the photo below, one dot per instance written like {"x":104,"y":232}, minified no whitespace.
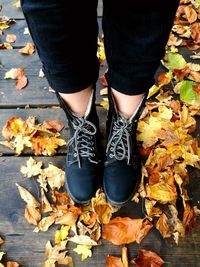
{"x":46,"y":206}
{"x":44,"y":224}
{"x":163,"y":226}
{"x":32,"y":214}
{"x":66,"y":218}
{"x":18,"y":75}
{"x":27,"y":196}
{"x":29,"y":49}
{"x":147,"y":258}
{"x":103,"y":209}
{"x":126,"y":230}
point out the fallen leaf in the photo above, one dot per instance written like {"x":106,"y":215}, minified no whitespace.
{"x":32,"y":214}
{"x":44,"y":224}
{"x":125,"y":230}
{"x":53,"y":124}
{"x":11,"y":38}
{"x":83,"y":240}
{"x":1,"y":255}
{"x":12,"y":264}
{"x":147,"y":258}
{"x":1,"y":241}
{"x":27,"y":197}
{"x":29,"y":49}
{"x":62,"y":234}
{"x":163,"y":226}
{"x":32,"y":168}
{"x":112,"y":261}
{"x":84,"y":251}
{"x":55,"y":176}
{"x":46,"y":206}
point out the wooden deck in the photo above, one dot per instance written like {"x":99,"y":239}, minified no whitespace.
{"x":22,"y":244}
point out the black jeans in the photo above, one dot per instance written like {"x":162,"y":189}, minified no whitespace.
{"x":65,"y":34}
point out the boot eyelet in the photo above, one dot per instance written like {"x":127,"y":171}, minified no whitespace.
{"x":112,"y":149}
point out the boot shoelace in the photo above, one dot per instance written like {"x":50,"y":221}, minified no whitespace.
{"x":83,"y":139}
{"x":120,"y":142}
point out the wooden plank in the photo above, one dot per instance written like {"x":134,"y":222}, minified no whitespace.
{"x":9,"y":96}
{"x":9,"y":10}
{"x":19,"y":234}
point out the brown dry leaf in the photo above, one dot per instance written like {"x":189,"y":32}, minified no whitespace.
{"x":44,"y":224}
{"x":12,"y":264}
{"x":53,"y":125}
{"x":11,"y":38}
{"x":21,"y":82}
{"x":126,"y":230}
{"x":27,"y":197}
{"x":32,"y":168}
{"x":54,"y":254}
{"x":190,"y":13}
{"x":29,"y":49}
{"x":66,"y":218}
{"x":18,"y":75}
{"x":46,"y":206}
{"x":112,"y":261}
{"x":32,"y":214}
{"x":163,"y":226}
{"x":1,"y":241}
{"x":147,"y":258}
{"x":103,"y":209}
{"x":189,"y":217}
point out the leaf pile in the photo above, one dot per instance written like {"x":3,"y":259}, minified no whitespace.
{"x":41,"y":138}
{"x":8,"y":263}
{"x":87,"y":223}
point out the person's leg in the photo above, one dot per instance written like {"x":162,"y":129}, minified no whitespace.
{"x":135,"y":33}
{"x":65,"y":35}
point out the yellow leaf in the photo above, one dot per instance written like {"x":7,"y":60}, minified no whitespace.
{"x":161,"y":192}
{"x":32,"y":168}
{"x":84,"y":251}
{"x":1,"y":255}
{"x":61,"y":234}
{"x":105,"y":103}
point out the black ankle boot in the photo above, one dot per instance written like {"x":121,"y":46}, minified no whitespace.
{"x":122,"y":166}
{"x":82,"y":154}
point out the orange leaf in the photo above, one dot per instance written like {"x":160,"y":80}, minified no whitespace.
{"x":21,"y":82}
{"x":190,"y":13}
{"x":189,"y":217}
{"x":126,"y":230}
{"x":163,"y":226}
{"x":29,"y":49}
{"x":12,"y":264}
{"x":112,"y":261}
{"x":32,"y":214}
{"x":147,"y":258}
{"x":53,"y":124}
{"x":11,"y":38}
